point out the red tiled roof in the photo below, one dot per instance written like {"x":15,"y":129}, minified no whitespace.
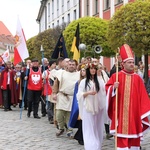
{"x":7,"y":39}
{"x":4,"y":30}
{"x":2,"y":46}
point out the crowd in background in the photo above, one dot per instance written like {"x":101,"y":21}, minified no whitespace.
{"x":54,"y":85}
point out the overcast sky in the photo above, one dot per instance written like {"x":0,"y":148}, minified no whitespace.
{"x":27,"y":10}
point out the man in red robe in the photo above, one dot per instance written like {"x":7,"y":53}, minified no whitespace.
{"x":1,"y":69}
{"x":7,"y":86}
{"x":133,"y":104}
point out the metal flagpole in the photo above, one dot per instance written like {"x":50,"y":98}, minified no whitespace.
{"x":42,"y":51}
{"x":24,"y":91}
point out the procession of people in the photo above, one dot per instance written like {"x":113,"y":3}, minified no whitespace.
{"x":82,"y":95}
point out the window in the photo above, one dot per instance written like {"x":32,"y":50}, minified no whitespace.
{"x":52,"y":9}
{"x":118,"y":1}
{"x":57,"y":7}
{"x":75,"y":14}
{"x":74,"y":2}
{"x":96,"y":6}
{"x":62,"y":6}
{"x":48,"y":12}
{"x":68,"y":4}
{"x":52,"y":25}
{"x":68,"y":18}
{"x":106,"y":4}
{"x":52,"y":6}
{"x":87,"y":7}
{"x":58,"y":22}
{"x":57,"y":4}
{"x":62,"y":2}
{"x":62,"y":19}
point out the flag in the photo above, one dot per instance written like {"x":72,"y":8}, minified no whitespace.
{"x":5,"y":56}
{"x":75,"y":45}
{"x":60,"y":49}
{"x":20,"y":49}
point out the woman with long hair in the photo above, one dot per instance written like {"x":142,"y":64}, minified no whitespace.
{"x":91,"y":97}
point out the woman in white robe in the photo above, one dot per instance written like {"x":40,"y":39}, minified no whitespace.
{"x":92,"y":99}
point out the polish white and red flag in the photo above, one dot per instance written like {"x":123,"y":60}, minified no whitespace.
{"x":5,"y":56}
{"x":20,"y":49}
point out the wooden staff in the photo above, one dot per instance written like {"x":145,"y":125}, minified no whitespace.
{"x":116,"y":102}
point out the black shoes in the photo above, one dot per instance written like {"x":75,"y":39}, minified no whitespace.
{"x":108,"y":136}
{"x":81,"y":142}
{"x":51,"y":122}
{"x":60,"y":132}
{"x":37,"y":117}
{"x":43,"y":115}
{"x":9,"y":109}
{"x":28,"y":115}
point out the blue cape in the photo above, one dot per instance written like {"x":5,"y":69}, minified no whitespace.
{"x":75,"y":109}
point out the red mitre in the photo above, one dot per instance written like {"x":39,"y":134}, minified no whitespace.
{"x":126,"y":53}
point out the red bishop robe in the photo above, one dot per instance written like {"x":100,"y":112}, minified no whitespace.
{"x":133,"y":105}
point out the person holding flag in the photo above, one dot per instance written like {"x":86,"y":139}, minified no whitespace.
{"x":34,"y":87}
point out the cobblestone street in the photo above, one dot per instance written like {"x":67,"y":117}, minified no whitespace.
{"x":38,"y":134}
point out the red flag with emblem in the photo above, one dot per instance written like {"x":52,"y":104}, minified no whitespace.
{"x":20,"y":50}
{"x":5,"y":56}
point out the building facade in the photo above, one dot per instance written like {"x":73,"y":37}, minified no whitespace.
{"x":7,"y":41}
{"x":104,"y":9}
{"x":57,"y":12}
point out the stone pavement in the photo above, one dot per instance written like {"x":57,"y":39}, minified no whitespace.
{"x":38,"y":134}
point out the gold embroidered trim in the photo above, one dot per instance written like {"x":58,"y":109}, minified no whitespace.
{"x":126,"y":104}
{"x":128,"y":51}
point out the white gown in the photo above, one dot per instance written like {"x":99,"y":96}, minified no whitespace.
{"x":91,"y":111}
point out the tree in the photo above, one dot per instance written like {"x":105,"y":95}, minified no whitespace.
{"x":92,"y":32}
{"x":131,"y":24}
{"x":48,"y":39}
{"x":30,"y":46}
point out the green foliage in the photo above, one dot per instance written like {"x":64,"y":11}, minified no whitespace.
{"x":92,"y":32}
{"x":30,"y":46}
{"x":131,"y":25}
{"x":47,"y":39}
